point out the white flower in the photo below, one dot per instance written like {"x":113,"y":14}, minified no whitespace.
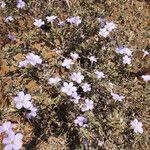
{"x":74,"y":20}
{"x":68,"y":88}
{"x":23,"y":63}
{"x":51,"y":18}
{"x":3,"y":4}
{"x":6,"y":127}
{"x":146,"y":78}
{"x":137,"y":126}
{"x":9,"y":19}
{"x":20,"y":4}
{"x":54,"y":80}
{"x":38,"y":22}
{"x":81,"y":121}
{"x":67,"y":63}
{"x":75,"y":97}
{"x":77,"y":77}
{"x":88,"y":105}
{"x":103,"y":32}
{"x":92,"y":59}
{"x":99,"y":74}
{"x":74,"y":56}
{"x":145,"y":53}
{"x":22,"y":100}
{"x":33,"y":59}
{"x":117,"y":97}
{"x":126,"y":60}
{"x":13,"y":141}
{"x":110,"y":26}
{"x":86,"y":87}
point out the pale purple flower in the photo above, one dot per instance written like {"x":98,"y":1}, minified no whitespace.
{"x":126,"y":60}
{"x":6,"y":127}
{"x":12,"y":37}
{"x":107,"y":29}
{"x":99,"y":74}
{"x":92,"y":59}
{"x":23,"y":63}
{"x":117,"y":97}
{"x":74,"y":20}
{"x":68,"y":88}
{"x":146,"y":78}
{"x":110,"y":26}
{"x":81,"y":121}
{"x":38,"y":22}
{"x":74,"y":56}
{"x":88,"y":105}
{"x":9,"y":19}
{"x":51,"y":18}
{"x":77,"y":77}
{"x":86,"y":87}
{"x":119,"y":50}
{"x":30,"y":59}
{"x":124,"y":50}
{"x":20,"y":4}
{"x":137,"y":126}
{"x":54,"y":80}
{"x":33,"y":59}
{"x":67,"y":63}
{"x":32,"y":113}
{"x":103,"y":32}
{"x":75,"y":97}
{"x":13,"y":141}
{"x":22,"y":100}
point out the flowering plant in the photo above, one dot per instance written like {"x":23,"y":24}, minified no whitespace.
{"x":79,"y":71}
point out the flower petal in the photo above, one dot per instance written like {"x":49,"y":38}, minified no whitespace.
{"x":8,"y":147}
{"x":18,"y":137}
{"x":27,"y":104}
{"x":27,"y":97}
{"x":19,"y":105}
{"x":6,"y":141}
{"x":21,"y":95}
